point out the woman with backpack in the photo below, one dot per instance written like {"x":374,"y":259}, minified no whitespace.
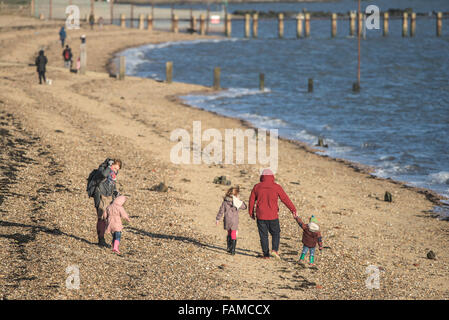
{"x":67,"y":55}
{"x":102,"y":183}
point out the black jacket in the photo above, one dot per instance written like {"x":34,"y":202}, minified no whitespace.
{"x":70,"y":54}
{"x":41,"y":62}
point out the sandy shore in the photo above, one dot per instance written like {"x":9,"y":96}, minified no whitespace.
{"x":52,"y":136}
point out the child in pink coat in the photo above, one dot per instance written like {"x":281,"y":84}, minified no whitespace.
{"x":113,"y":216}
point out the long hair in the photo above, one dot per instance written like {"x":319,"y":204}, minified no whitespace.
{"x":233,"y":191}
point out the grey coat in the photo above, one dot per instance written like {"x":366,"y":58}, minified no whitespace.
{"x":230,"y":213}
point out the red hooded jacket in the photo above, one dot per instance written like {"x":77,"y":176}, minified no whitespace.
{"x":266,"y":193}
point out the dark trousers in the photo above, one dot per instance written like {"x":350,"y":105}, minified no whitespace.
{"x":99,"y":207}
{"x":272,"y":227}
{"x":42,"y":76}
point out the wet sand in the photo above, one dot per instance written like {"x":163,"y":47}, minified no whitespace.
{"x":53,"y":136}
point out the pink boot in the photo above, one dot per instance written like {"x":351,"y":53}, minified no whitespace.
{"x":115,"y":246}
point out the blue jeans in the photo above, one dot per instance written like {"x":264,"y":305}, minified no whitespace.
{"x":304,"y":252}
{"x":116,"y":236}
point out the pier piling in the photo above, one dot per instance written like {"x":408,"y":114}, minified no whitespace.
{"x":247,"y":25}
{"x":334,"y":25}
{"x":412,"y":24}
{"x":150,"y":22}
{"x":307,"y":25}
{"x":122,"y":68}
{"x":352,"y":23}
{"x":169,"y":72}
{"x":217,"y":78}
{"x":281,"y":25}
{"x":228,"y":26}
{"x":404,"y":24}
{"x":141,"y":21}
{"x":261,"y":81}
{"x":255,"y":24}
{"x":175,"y":27}
{"x":310,"y":85}
{"x":202,"y":24}
{"x":122,"y":21}
{"x":439,"y":23}
{"x":386,"y":29}
{"x":299,"y":25}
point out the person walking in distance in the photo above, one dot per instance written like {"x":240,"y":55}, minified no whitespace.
{"x":41,"y":63}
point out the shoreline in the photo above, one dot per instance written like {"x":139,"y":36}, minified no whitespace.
{"x":433,"y":196}
{"x":173,"y":244}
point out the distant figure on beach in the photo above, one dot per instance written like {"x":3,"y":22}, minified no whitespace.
{"x":113,"y":217}
{"x":229,"y":210}
{"x":101,"y":183}
{"x":91,"y":20}
{"x":67,"y":56}
{"x":62,"y":36}
{"x":41,"y":62}
{"x":100,"y":22}
{"x":310,"y":238}
{"x":265,"y":195}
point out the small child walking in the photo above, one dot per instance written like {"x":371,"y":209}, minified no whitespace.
{"x":113,"y":215}
{"x":311,"y":236}
{"x":229,"y":210}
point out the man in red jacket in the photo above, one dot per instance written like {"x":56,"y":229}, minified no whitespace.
{"x":266,"y":194}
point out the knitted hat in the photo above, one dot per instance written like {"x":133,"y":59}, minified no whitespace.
{"x":313,"y":227}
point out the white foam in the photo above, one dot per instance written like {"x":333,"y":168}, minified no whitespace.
{"x":441,"y":177}
{"x":136,"y":56}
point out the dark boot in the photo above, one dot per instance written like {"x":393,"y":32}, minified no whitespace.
{"x":228,"y":240}
{"x":233,"y":245}
{"x":102,"y":242}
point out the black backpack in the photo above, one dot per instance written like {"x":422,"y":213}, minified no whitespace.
{"x":95,"y":177}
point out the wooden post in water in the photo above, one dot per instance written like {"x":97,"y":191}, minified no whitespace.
{"x":217,"y":78}
{"x":261,"y":82}
{"x":386,"y":29}
{"x":404,"y":24}
{"x":359,"y":24}
{"x":439,"y":23}
{"x":131,"y":21}
{"x":228,"y":24}
{"x":175,"y":28}
{"x":122,"y":20}
{"x":247,"y":25}
{"x":193,"y":22}
{"x":122,"y":68}
{"x":412,"y":24}
{"x":281,"y":25}
{"x":310,"y":85}
{"x":202,"y":24}
{"x":352,"y":16}
{"x":334,"y":25}
{"x":255,"y":25}
{"x":141,"y":22}
{"x":307,"y":25}
{"x":299,"y":25}
{"x":150,"y":22}
{"x":169,"y":72}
